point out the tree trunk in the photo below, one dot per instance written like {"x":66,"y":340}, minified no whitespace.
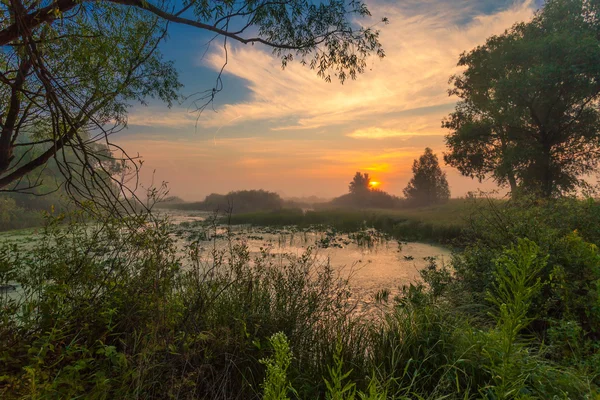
{"x":512,"y":182}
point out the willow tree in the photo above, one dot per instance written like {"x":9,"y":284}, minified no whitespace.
{"x":528,"y":113}
{"x":69,"y":69}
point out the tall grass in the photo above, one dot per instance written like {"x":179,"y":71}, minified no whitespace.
{"x":443,"y":223}
{"x":117,"y":310}
{"x":114,"y":311}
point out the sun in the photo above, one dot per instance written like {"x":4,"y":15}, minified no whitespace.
{"x":374,"y":184}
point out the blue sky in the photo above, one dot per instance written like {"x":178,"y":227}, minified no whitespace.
{"x":290,"y":132}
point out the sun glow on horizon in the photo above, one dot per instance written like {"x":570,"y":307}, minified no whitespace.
{"x":374,"y":184}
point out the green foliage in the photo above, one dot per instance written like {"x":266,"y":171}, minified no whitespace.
{"x":564,"y":314}
{"x":338,"y":388}
{"x":528,"y":116}
{"x":575,"y":282}
{"x":443,"y":223}
{"x":428,"y":184}
{"x":276,"y":385}
{"x":417,"y":350}
{"x":515,"y":286}
{"x":565,"y":230}
{"x":113,"y":309}
{"x":375,"y":391}
{"x":372,"y":198}
{"x":114,"y":315}
{"x":14,"y":217}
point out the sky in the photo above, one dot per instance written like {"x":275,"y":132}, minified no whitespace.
{"x":290,"y":132}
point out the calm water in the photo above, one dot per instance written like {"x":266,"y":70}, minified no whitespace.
{"x":371,"y":262}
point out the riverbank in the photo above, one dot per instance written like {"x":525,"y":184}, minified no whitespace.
{"x":443,"y":223}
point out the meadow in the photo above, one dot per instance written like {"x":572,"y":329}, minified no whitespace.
{"x":442,"y":223}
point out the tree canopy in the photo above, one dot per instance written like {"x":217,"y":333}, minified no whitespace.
{"x":428,"y":184}
{"x":361,"y":183}
{"x":69,"y":69}
{"x":528,"y":115}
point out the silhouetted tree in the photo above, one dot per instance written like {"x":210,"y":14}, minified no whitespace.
{"x":361,"y":183}
{"x":528,"y":115}
{"x":429,"y":184}
{"x":240,"y":201}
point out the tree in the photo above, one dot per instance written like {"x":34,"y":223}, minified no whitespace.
{"x":528,"y":115}
{"x":428,"y":184}
{"x":69,"y":69}
{"x":361,"y":183}
{"x":364,"y":194}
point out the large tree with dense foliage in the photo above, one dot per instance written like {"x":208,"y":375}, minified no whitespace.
{"x":428,"y":184}
{"x":528,"y":113}
{"x":69,"y":69}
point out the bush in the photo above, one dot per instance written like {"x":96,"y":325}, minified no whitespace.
{"x":117,"y":312}
{"x":12,"y":216}
{"x":367,"y":199}
{"x":571,"y":290}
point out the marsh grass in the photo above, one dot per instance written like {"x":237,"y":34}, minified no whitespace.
{"x":115,"y":310}
{"x":441,"y":223}
{"x":111,"y":312}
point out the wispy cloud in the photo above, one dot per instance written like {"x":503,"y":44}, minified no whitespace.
{"x":162,"y":117}
{"x":422,"y":51}
{"x":379,"y":133}
{"x":422,"y":44}
{"x":325,"y":132}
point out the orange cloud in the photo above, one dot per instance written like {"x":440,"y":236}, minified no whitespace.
{"x":377,"y":133}
{"x":421,"y":53}
{"x":378,"y":124}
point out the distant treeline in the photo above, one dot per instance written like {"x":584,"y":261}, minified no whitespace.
{"x":241,"y":201}
{"x":367,"y":199}
{"x":245,"y":201}
{"x":427,"y":187}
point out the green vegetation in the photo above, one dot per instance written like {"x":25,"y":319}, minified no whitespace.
{"x":26,"y":203}
{"x":428,"y":184}
{"x":528,"y":116}
{"x":374,"y":198}
{"x":99,"y":305}
{"x":14,"y":217}
{"x":444,"y":223}
{"x":120,"y":313}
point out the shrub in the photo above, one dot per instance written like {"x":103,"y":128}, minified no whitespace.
{"x":572,"y":272}
{"x":113,"y":310}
